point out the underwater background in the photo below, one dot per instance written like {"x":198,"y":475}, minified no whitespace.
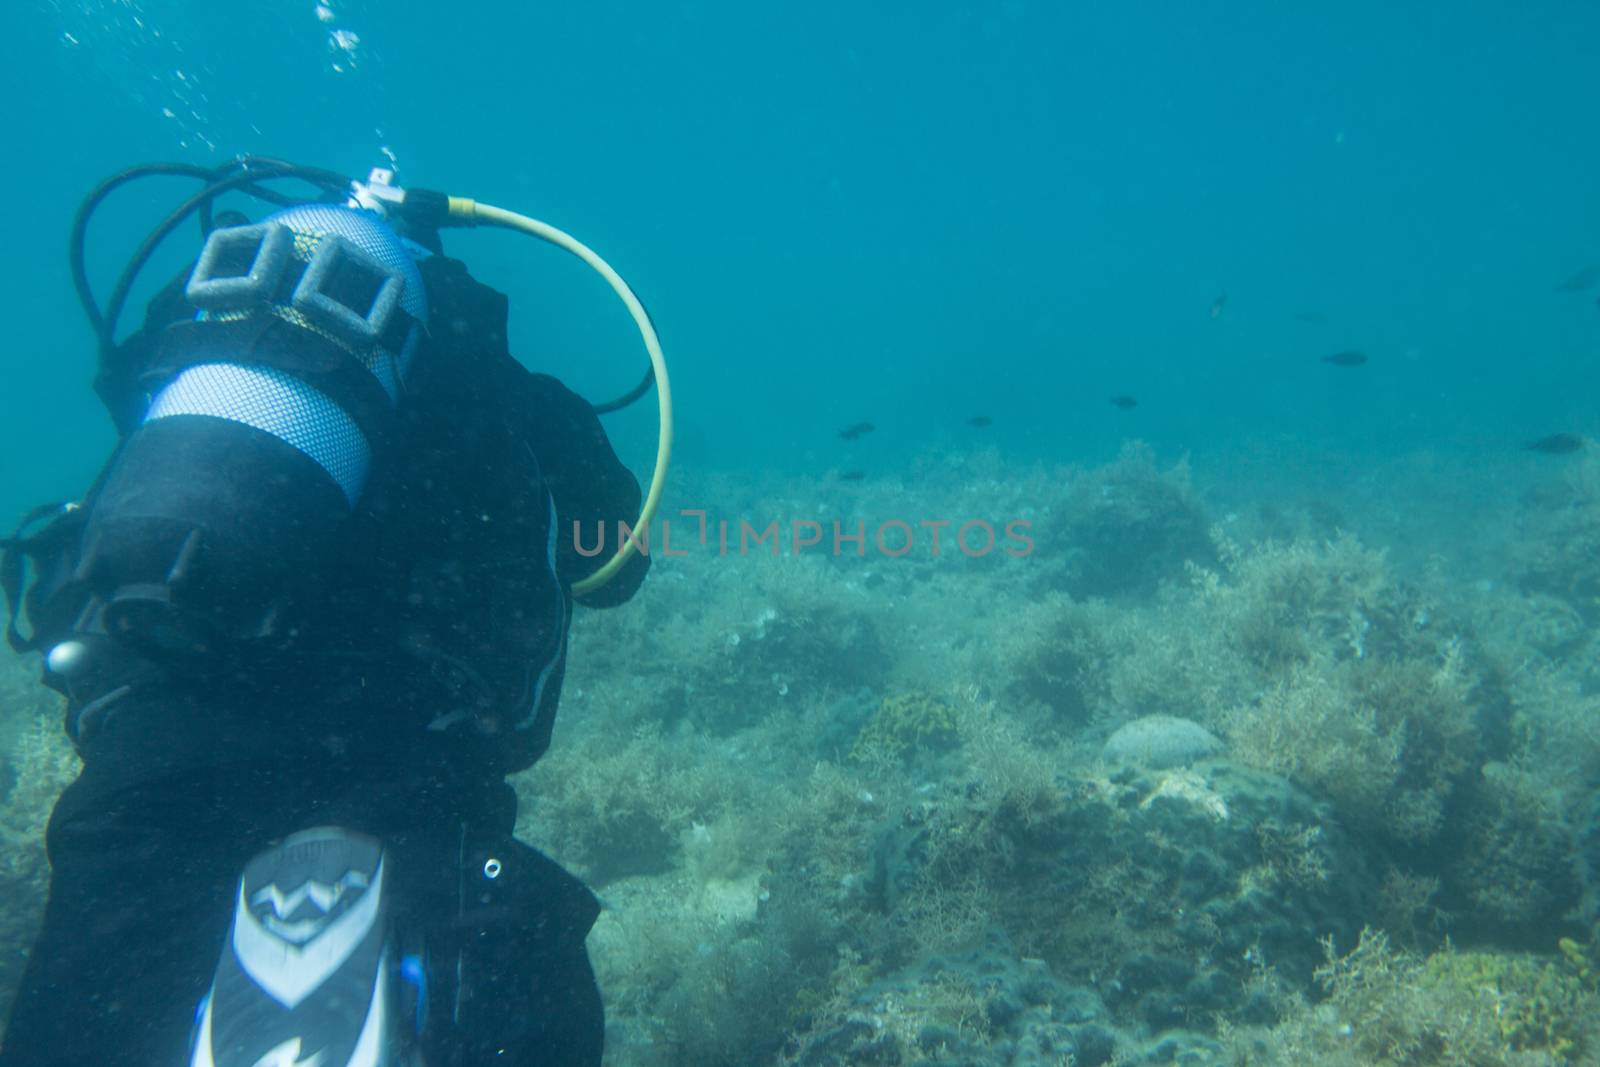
{"x":1278,"y":743}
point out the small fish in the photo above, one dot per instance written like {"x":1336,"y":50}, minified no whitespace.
{"x":1581,"y":280}
{"x":1346,"y":359}
{"x":980,"y":421}
{"x":1217,"y":305}
{"x":1124,"y":401}
{"x":1310,"y":316}
{"x":1557,"y":444}
{"x":852,"y":476}
{"x":850,"y":433}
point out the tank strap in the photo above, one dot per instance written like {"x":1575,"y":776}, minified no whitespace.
{"x":267,"y":340}
{"x":21,"y":546}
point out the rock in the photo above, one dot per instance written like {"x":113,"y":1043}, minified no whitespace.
{"x":1180,"y":884}
{"x":1025,"y":1015}
{"x":1095,"y":1045}
{"x":1159,"y":742}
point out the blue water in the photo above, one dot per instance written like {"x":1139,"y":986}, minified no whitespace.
{"x":907,"y":213}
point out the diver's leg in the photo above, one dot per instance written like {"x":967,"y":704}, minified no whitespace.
{"x":144,"y":875}
{"x":143,"y":887}
{"x":526,"y":996}
{"x":139,"y":901}
{"x":576,"y":1033}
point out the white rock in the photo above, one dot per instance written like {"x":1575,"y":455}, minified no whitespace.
{"x":1159,"y":742}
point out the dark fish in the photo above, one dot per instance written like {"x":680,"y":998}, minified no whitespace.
{"x":1581,"y":280}
{"x":1310,"y":316}
{"x":1346,"y":359}
{"x":1217,"y":305}
{"x":852,"y":476}
{"x":1124,"y":401}
{"x":850,"y":433}
{"x":980,"y":421}
{"x":1557,"y":444}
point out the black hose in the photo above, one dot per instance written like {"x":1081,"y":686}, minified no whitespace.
{"x":334,"y":184}
{"x":80,"y":222}
{"x":630,"y":396}
{"x":240,"y":175}
{"x":147,"y":248}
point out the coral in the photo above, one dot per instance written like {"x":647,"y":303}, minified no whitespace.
{"x":1580,"y":963}
{"x":1388,"y":1008}
{"x":714,"y":961}
{"x":1055,"y":654}
{"x":1286,"y":603}
{"x":1160,"y":741}
{"x":1388,"y":740}
{"x":704,"y":978}
{"x":1560,"y":527}
{"x":41,"y":763}
{"x":613,"y":811}
{"x":1458,"y":1007}
{"x":783,"y":653}
{"x":1512,"y":871}
{"x":906,"y":726}
{"x":1414,"y":752}
{"x":1536,"y":825}
{"x":1131,"y":526}
{"x":1158,"y":888}
{"x":1537,"y":1005}
{"x":984,"y":1005}
{"x":1408,"y":908}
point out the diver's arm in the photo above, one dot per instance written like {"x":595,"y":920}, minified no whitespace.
{"x":591,"y":488}
{"x":467,"y":343}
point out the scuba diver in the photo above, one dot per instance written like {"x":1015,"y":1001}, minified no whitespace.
{"x":309,"y":615}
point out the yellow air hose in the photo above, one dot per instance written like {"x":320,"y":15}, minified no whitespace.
{"x":464,"y":212}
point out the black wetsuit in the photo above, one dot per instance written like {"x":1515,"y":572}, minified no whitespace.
{"x":433,"y":669}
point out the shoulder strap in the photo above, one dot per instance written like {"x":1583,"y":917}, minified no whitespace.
{"x":18,"y":549}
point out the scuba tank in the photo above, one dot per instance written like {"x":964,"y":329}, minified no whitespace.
{"x":264,"y":414}
{"x":270,"y":385}
{"x":257,"y":410}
